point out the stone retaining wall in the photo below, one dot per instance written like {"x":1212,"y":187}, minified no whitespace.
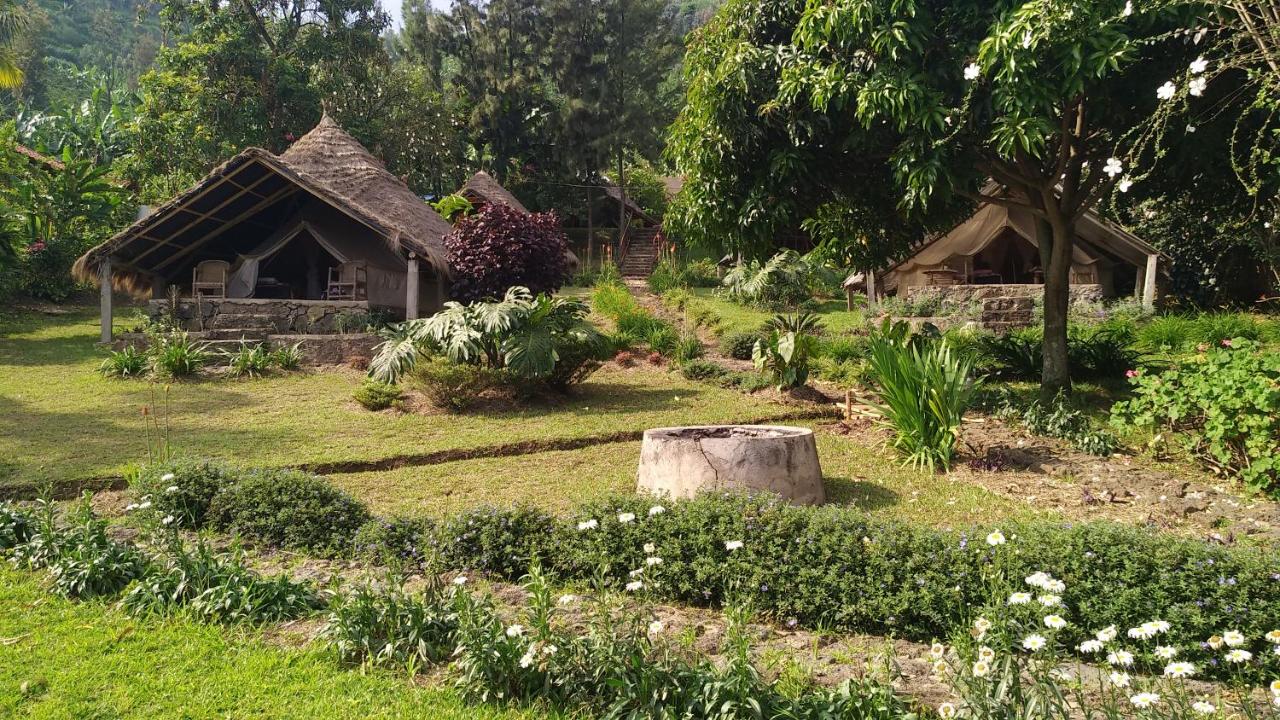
{"x":354,"y":349}
{"x":998,"y":308}
{"x":282,"y":316}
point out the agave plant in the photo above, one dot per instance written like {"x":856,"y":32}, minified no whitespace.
{"x":923,"y":390}
{"x":522,"y":333}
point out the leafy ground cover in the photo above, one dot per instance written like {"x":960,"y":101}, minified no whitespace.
{"x":62,"y":659}
{"x":741,"y":318}
{"x":72,"y":423}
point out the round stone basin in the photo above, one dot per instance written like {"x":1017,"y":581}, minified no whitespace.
{"x":680,"y":462}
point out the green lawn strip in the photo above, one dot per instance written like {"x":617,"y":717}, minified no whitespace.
{"x":559,"y":481}
{"x":740,"y":318}
{"x":69,"y":423}
{"x":86,"y":660}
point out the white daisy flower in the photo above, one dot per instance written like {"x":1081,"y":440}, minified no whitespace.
{"x":1019,"y":598}
{"x":972,"y":71}
{"x":1124,"y":658}
{"x":995,"y":537}
{"x":1167,"y":91}
{"x":1090,"y":646}
{"x":981,"y":668}
{"x":1144,"y":699}
{"x":1049,"y":600}
{"x":1054,"y":622}
{"x":1204,"y":708}
{"x":655,"y":627}
{"x":515,"y":631}
{"x":649,"y":548}
{"x":1233,"y":638}
{"x":1034,"y":642}
{"x":167,"y":477}
{"x":656,"y":510}
{"x":946,"y":710}
{"x":1166,"y":652}
{"x":986,"y":654}
{"x":1119,"y":679}
{"x":567,"y":599}
{"x":634,"y":585}
{"x":732,"y":545}
{"x":1106,"y":634}
{"x":652,"y":561}
{"x":460,"y":580}
{"x":625,"y":518}
{"x":1179,"y":670}
{"x":1238,"y":656}
{"x":591,"y":524}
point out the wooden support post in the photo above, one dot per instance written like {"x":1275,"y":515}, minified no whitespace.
{"x":411,"y":289}
{"x":591,"y":234}
{"x":871,"y":288}
{"x":1149,"y":283}
{"x":848,"y":298}
{"x":104,"y":298}
{"x":848,"y":406}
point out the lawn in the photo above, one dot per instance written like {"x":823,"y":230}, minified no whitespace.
{"x":69,"y":423}
{"x":740,"y":318}
{"x":86,"y":660}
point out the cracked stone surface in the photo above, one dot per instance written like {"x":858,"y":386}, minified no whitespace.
{"x":682,"y":462}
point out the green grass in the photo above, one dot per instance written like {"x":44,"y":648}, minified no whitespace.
{"x":740,"y":318}
{"x":558,"y":481}
{"x":70,"y":423}
{"x":89,"y":661}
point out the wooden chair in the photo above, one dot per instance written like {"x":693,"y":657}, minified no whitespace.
{"x":209,"y":279}
{"x":348,"y":281}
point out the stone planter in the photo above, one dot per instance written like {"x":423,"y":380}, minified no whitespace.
{"x":680,"y":462}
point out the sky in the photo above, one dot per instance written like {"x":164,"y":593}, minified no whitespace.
{"x":394,"y":10}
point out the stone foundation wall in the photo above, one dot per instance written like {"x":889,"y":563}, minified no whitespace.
{"x":998,"y":308}
{"x":355,"y":349}
{"x":961,"y":294}
{"x":281,"y":316}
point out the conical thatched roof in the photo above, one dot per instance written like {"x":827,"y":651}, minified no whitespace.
{"x":326,"y":162}
{"x":483,"y":186}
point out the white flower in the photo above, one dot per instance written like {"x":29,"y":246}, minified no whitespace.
{"x":1054,"y":622}
{"x":1196,"y":86}
{"x":732,"y":545}
{"x":527,"y":659}
{"x":649,"y":548}
{"x":460,"y":580}
{"x":981,"y":668}
{"x":1138,"y":633}
{"x":1026,"y":39}
{"x":940,"y":667}
{"x":937,"y":651}
{"x":1128,"y":9}
{"x":636,"y":573}
{"x":995,"y":537}
{"x":1275,"y":687}
{"x":1199,"y":65}
{"x":1204,"y":708}
{"x":1166,"y":652}
{"x":145,"y":505}
{"x":1214,"y":641}
{"x":626,"y":517}
{"x":1038,"y":579}
{"x":1156,"y":627}
{"x":131,"y":507}
{"x":982,"y":625}
{"x":1124,"y":185}
{"x":1273,"y":637}
{"x":1145,"y":699}
{"x":652,"y":561}
{"x":1019,"y":598}
{"x":1166,"y":91}
{"x":1233,"y":638}
{"x":1090,"y":646}
{"x":1119,"y":679}
{"x":167,"y":477}
{"x":946,"y":711}
{"x":986,"y":654}
{"x":1113,"y":167}
{"x":1179,"y":670}
{"x":567,"y":599}
{"x":1034,"y":642}
{"x":972,"y":71}
{"x":1049,"y":600}
{"x":656,"y":510}
{"x":171,"y":489}
{"x":1120,"y":657}
{"x":515,"y":631}
{"x":655,"y":627}
{"x":1106,"y":634}
{"x":591,"y":524}
{"x":168,"y":520}
{"x":634,"y":585}
{"x":1055,"y":586}
{"x":1239,"y":656}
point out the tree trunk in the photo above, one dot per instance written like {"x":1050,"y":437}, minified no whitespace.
{"x":1056,"y":237}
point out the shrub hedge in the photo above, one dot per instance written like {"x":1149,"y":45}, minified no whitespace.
{"x":289,"y":509}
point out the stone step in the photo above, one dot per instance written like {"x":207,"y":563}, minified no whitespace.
{"x":238,"y":321}
{"x":226,"y":346}
{"x":252,"y":335}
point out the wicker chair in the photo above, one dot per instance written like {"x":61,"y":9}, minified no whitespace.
{"x":348,"y":281}
{"x":209,"y":279}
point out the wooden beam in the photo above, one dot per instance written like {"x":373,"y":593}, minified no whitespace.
{"x":411,"y":289}
{"x":1149,"y":283}
{"x":871,"y":288}
{"x":286,"y":190}
{"x":104,"y":298}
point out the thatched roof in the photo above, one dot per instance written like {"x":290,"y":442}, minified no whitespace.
{"x":326,"y":163}
{"x":482,"y":188}
{"x":613,"y":193}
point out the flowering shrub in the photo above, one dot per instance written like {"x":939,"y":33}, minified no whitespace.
{"x":288,"y":509}
{"x":502,"y":541}
{"x":1223,"y":404}
{"x":501,"y":247}
{"x":181,"y":488}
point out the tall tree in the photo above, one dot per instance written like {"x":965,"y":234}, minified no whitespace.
{"x":1052,"y":101}
{"x":11,"y":23}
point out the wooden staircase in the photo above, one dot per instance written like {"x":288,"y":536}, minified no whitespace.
{"x":641,"y":253}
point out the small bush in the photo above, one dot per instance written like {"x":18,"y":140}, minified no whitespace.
{"x":127,"y":363}
{"x":687,"y":348}
{"x":846,"y":373}
{"x":87,"y":563}
{"x":738,"y":345}
{"x":785,"y":354}
{"x":289,"y":509}
{"x":16,"y":526}
{"x":455,"y":386}
{"x":1102,"y":352}
{"x":671,"y":273}
{"x":401,"y":542}
{"x":1059,"y":419}
{"x":501,"y":540}
{"x":214,"y":587}
{"x":1224,"y":406}
{"x":703,"y":370}
{"x":578,"y":361}
{"x":745,"y":381}
{"x":182,"y":489}
{"x":175,"y":355}
{"x":844,"y":348}
{"x":374,"y":395}
{"x":287,"y":357}
{"x":249,"y":361}
{"x":389,"y":628}
{"x":501,"y":247}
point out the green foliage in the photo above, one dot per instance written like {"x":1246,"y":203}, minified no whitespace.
{"x":500,"y":540}
{"x":923,"y":390}
{"x":176,"y":355}
{"x":182,"y":489}
{"x":785,"y":354}
{"x":374,"y":395}
{"x":400,"y":542}
{"x":672,"y":273}
{"x":632,"y":320}
{"x":1102,"y":352}
{"x":16,"y":526}
{"x":786,"y":281}
{"x":1223,"y":405}
{"x":739,"y":345}
{"x":452,"y":206}
{"x":1189,"y":332}
{"x":456,"y":386}
{"x":388,"y":627}
{"x":86,"y":562}
{"x":288,"y":509}
{"x":1059,"y":419}
{"x":703,"y":370}
{"x":215,"y":587}
{"x":126,"y":363}
{"x":287,"y":357}
{"x":522,"y":334}
{"x":249,"y":361}
{"x":687,"y":348}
